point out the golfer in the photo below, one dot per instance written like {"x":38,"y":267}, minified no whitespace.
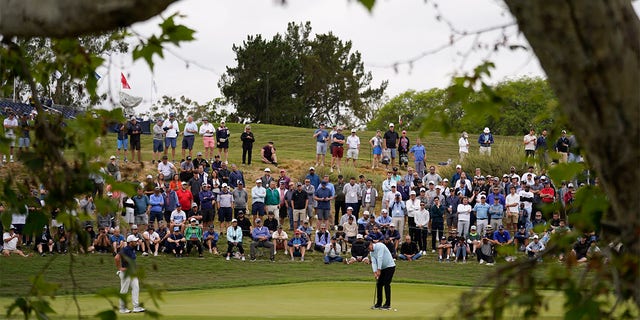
{"x":383,"y":269}
{"x":126,"y":264}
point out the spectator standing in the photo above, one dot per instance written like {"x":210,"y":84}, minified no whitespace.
{"x":25,"y":128}
{"x":207,"y":131}
{"x":337,"y":149}
{"x":541,"y":149}
{"x":419,"y":155}
{"x":122,"y":139}
{"x":436,"y":222}
{"x":247,"y":139}
{"x":353,"y":147}
{"x":529,"y":141}
{"x":134,"y":130}
{"x":376,"y":146}
{"x":158,"y":141}
{"x":240,"y":199}
{"x":322,"y":136}
{"x":485,"y":140}
{"x":323,"y":196}
{"x":352,"y":191}
{"x":258,"y":195}
{"x":390,"y":141}
{"x":562,"y":147}
{"x":235,"y":176}
{"x":222,"y":140}
{"x":403,"y":149}
{"x":463,"y":145}
{"x":189,"y":136}
{"x":172,"y":129}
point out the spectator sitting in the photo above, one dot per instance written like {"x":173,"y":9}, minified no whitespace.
{"x":178,"y":217}
{"x":332,"y":252}
{"x":375,"y":235}
{"x":102,"y":242}
{"x":359,"y":251}
{"x":485,"y":249}
{"x":193,"y":234}
{"x":322,"y":238}
{"x":268,"y":154}
{"x":44,"y":243}
{"x":341,"y":238}
{"x":409,"y":250}
{"x":371,"y":225}
{"x":244,"y":224}
{"x":522,"y":238}
{"x":176,"y":242}
{"x":210,"y":238}
{"x":271,"y":223}
{"x":261,"y":238}
{"x":234,"y":238}
{"x":461,"y":250}
{"x":163,"y":233}
{"x":279,"y":238}
{"x":117,"y":240}
{"x":297,"y":245}
{"x":581,"y":249}
{"x":306,"y":233}
{"x":444,"y":249}
{"x":113,"y":169}
{"x":152,"y":239}
{"x":350,"y":230}
{"x":534,"y":248}
{"x":392,"y":239}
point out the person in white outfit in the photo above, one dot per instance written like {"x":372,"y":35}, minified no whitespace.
{"x":463,"y":145}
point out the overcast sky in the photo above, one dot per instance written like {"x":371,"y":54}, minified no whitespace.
{"x":395,"y":31}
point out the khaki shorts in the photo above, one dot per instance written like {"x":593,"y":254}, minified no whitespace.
{"x":270,"y":208}
{"x":512,"y":217}
{"x":299,"y":214}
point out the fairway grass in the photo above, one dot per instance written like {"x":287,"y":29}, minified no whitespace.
{"x":308,"y":300}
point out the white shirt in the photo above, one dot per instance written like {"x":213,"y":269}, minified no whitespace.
{"x":422,"y":218}
{"x":166,"y":169}
{"x":281,"y":236}
{"x":464,"y":212}
{"x":353,"y":142}
{"x":9,"y":125}
{"x":510,"y":199}
{"x":173,"y":126}
{"x":529,"y":142}
{"x":463,"y":143}
{"x":153,"y":237}
{"x":351,"y":192}
{"x":178,"y":216}
{"x":413,"y":206}
{"x":207,"y":129}
{"x":527,"y":204}
{"x":10,"y":245}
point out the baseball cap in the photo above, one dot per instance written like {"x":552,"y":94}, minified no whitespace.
{"x":134,"y":227}
{"x":112,"y":157}
{"x":224,"y":185}
{"x":132,"y":238}
{"x":398,"y":194}
{"x":184,"y":183}
{"x":234,"y":220}
{"x":458,"y":167}
{"x":176,"y":228}
{"x":535,"y":236}
{"x":482,"y":196}
{"x":193,"y":205}
{"x":193,"y":220}
{"x":165,"y":157}
{"x":349,"y":208}
{"x":149,"y":176}
{"x":445,"y":179}
{"x":570,"y":185}
{"x":188,"y":157}
{"x":312,"y":168}
{"x":199,"y":154}
{"x":473,"y":227}
{"x":299,"y":184}
{"x":366,"y":213}
{"x":412,"y":192}
{"x":353,"y":130}
{"x":486,"y":130}
{"x":391,"y":124}
{"x":267,"y":170}
{"x":156,"y":188}
{"x":384,"y":211}
{"x":431,"y":182}
{"x":240,"y":183}
{"x":359,"y":236}
{"x":12,"y":227}
{"x":258,"y":220}
{"x":258,"y":181}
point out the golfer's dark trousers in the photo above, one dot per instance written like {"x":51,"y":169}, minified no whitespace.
{"x":386,"y":275}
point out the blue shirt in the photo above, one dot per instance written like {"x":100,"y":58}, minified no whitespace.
{"x":322,"y":135}
{"x":482,"y":210}
{"x":491,"y":198}
{"x":502,"y":238}
{"x":381,"y":220}
{"x":381,"y":257}
{"x":130,"y":253}
{"x":262,"y":231}
{"x":397,"y":209}
{"x":141,"y":203}
{"x":314,"y":179}
{"x":157,"y":202}
{"x":211,"y":233}
{"x":419,"y":152}
{"x":323,"y":193}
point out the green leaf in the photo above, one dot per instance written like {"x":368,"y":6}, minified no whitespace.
{"x":565,"y":171}
{"x":368,"y":4}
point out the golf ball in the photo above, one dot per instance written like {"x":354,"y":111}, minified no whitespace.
{"x":395,"y":310}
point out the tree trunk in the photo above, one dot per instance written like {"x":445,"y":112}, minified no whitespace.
{"x":590,"y":51}
{"x":69,"y":18}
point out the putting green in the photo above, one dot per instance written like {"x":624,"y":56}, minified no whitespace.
{"x":312,"y":300}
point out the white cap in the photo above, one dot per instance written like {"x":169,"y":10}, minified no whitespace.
{"x":112,"y":157}
{"x":431,"y":182}
{"x":486,"y":130}
{"x":353,"y":130}
{"x":384,"y":211}
{"x":570,"y":185}
{"x":349,"y":208}
{"x":312,"y":168}
{"x":193,"y":220}
{"x":412,"y":193}
{"x":391,"y":124}
{"x":132,"y":238}
{"x":258,"y":181}
{"x":224,"y":185}
{"x":365,"y":213}
{"x":193,"y":205}
{"x":149,"y":176}
{"x":267,"y":170}
{"x":445,"y":179}
{"x":359,"y":236}
{"x":535,"y":236}
{"x":458,"y":167}
{"x":234,"y":220}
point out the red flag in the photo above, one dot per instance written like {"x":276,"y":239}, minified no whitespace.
{"x":123,"y":80}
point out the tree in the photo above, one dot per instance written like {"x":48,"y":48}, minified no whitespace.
{"x":409,"y":106}
{"x":299,"y":81}
{"x":55,"y":60}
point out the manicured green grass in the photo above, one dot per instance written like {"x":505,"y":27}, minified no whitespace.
{"x":305,"y":299}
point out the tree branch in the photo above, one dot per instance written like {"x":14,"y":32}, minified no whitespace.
{"x":70,"y":18}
